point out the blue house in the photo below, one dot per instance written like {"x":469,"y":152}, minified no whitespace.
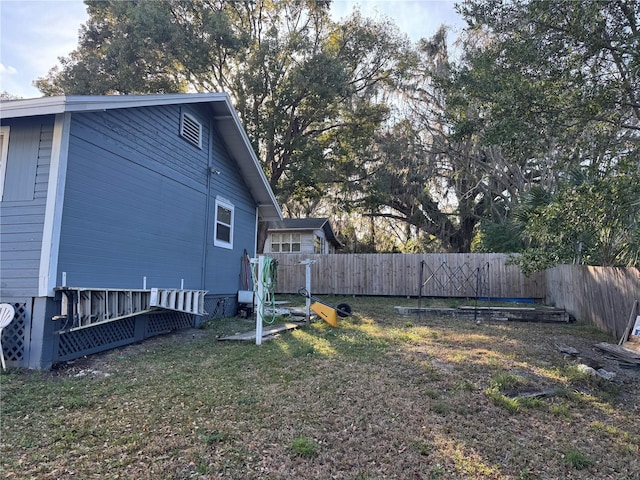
{"x":122,"y":217}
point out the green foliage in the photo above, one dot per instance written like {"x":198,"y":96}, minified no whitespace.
{"x":594,"y":220}
{"x":304,"y":447}
{"x":558,"y":77}
{"x":510,"y":404}
{"x":578,"y":459}
{"x":466,"y":152}
{"x":507,"y":381}
{"x":555,"y":83}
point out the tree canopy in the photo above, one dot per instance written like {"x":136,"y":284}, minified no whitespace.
{"x":559,"y":83}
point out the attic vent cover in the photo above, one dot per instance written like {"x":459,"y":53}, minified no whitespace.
{"x":191,"y":130}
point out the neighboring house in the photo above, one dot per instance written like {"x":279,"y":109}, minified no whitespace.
{"x":122,"y":217}
{"x":301,"y":235}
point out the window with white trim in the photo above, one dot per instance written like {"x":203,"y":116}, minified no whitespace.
{"x":4,"y":154}
{"x":223,"y":234}
{"x":285,"y":242}
{"x":191,"y":129}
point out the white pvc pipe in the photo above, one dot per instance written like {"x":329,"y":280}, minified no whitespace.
{"x":307,"y":286}
{"x":259,"y":301}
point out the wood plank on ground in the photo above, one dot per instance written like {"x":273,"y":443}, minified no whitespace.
{"x":267,"y":332}
{"x":621,"y":353}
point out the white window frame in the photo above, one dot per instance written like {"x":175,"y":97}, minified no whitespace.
{"x":227,"y":205}
{"x":4,"y":155}
{"x":286,"y":238}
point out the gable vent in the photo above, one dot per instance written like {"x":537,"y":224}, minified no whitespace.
{"x":191,"y":130}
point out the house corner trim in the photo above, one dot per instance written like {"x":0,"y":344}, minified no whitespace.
{"x":53,"y":210}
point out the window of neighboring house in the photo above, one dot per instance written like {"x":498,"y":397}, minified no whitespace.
{"x":191,"y":129}
{"x":223,"y":224}
{"x":285,"y":242}
{"x":4,"y":151}
{"x":318,"y":244}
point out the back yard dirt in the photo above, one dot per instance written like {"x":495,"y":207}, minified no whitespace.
{"x":383,"y":396}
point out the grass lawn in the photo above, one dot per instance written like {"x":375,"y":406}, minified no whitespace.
{"x":382,"y":396}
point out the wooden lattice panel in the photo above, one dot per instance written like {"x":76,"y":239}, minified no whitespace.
{"x":167,"y":322}
{"x":13,"y":335}
{"x":80,"y":342}
{"x":220,"y":307}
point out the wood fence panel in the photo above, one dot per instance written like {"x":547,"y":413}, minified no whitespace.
{"x":601,"y":296}
{"x":396,"y":274}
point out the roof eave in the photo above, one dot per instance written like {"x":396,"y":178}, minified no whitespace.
{"x":268,"y":208}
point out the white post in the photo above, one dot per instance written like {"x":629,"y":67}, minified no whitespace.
{"x":259,"y":301}
{"x":144,"y":283}
{"x":307,"y":286}
{"x":64,"y":279}
{"x":182,"y":284}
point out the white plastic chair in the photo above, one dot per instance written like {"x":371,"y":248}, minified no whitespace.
{"x":7,"y":313}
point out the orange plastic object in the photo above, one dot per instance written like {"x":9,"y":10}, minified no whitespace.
{"x":327,"y":313}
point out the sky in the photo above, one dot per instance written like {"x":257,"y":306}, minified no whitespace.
{"x":35,"y":33}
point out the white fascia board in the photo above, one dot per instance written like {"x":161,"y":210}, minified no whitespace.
{"x":53,"y":210}
{"x":60,"y":104}
{"x":31,"y":107}
{"x":96,"y":103}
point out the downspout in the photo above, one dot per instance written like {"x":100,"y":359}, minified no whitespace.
{"x":207,"y":221}
{"x":255,"y":234}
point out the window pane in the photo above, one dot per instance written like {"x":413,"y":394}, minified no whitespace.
{"x":275,"y":238}
{"x":286,"y":238}
{"x":224,"y":215}
{"x":223,"y":233}
{"x":295,"y":247}
{"x":275,"y":247}
{"x":286,"y":247}
{"x":295,"y":237}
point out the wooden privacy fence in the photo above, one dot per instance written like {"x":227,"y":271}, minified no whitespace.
{"x":397,"y":274}
{"x":602,"y":296}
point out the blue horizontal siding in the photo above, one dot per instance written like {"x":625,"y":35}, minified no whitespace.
{"x":127,"y":214}
{"x":22,"y":213}
{"x":136,"y":204}
{"x":223,"y":265}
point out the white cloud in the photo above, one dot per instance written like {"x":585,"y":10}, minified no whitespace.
{"x":7,"y":70}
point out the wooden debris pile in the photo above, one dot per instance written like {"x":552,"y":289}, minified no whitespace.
{"x":627,"y":357}
{"x":586,"y":364}
{"x":627,"y":351}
